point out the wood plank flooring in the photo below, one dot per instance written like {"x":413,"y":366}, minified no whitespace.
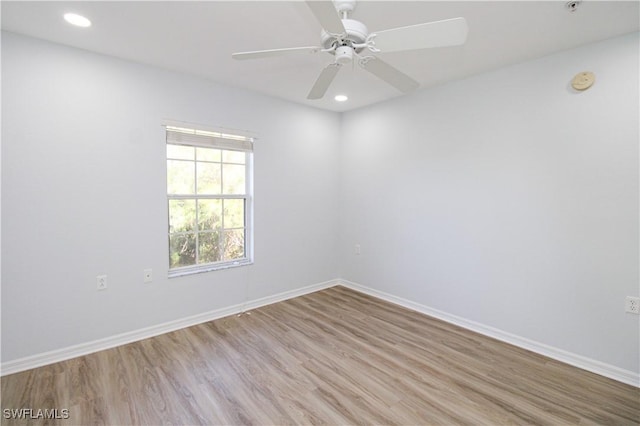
{"x":331,"y":357}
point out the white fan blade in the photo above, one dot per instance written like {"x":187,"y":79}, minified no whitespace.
{"x":324,"y":80}
{"x":386,"y":72}
{"x":274,"y":52}
{"x":450,"y":32}
{"x":326,"y":13}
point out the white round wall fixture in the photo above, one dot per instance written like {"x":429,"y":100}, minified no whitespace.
{"x":583,"y":80}
{"x":341,"y":98}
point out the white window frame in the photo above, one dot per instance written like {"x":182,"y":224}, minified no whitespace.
{"x":179,"y":133}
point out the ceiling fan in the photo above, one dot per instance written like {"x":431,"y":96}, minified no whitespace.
{"x":348,"y":39}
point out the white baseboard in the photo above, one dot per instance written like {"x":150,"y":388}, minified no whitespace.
{"x":63,"y":354}
{"x":594,"y":366}
{"x":38,"y":360}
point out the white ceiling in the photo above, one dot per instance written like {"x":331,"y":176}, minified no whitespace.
{"x":199,"y":38}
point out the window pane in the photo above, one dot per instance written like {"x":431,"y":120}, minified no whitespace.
{"x":180,"y":177}
{"x":233,"y":157}
{"x":209,"y":247}
{"x":233,"y":214}
{"x":209,"y":214}
{"x":208,"y":154}
{"x":179,"y":152}
{"x":209,"y":181}
{"x":234,"y":179}
{"x":234,"y":244}
{"x":182,"y":215}
{"x":208,"y":203}
{"x":182,"y":250}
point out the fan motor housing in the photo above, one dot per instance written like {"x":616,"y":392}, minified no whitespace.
{"x":356,"y":34}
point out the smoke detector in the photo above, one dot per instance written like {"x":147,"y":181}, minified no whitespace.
{"x":572,"y":6}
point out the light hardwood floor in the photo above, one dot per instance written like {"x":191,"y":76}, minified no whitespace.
{"x":331,"y":357}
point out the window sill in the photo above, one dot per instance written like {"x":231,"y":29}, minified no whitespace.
{"x":191,"y":270}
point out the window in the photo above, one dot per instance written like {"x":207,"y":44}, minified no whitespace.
{"x":209,"y":200}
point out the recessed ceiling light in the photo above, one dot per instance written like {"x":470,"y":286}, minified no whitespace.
{"x":341,"y":98}
{"x":77,"y":20}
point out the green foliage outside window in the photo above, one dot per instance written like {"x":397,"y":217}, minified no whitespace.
{"x":207,"y":193}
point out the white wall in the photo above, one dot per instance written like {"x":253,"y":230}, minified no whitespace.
{"x":507,"y":199}
{"x":83,"y":194}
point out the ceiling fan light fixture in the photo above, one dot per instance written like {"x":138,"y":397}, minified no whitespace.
{"x":341,"y":98}
{"x":77,"y":20}
{"x":344,"y":55}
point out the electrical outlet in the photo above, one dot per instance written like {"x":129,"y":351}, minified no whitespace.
{"x":357,"y":250}
{"x":101,"y":282}
{"x":148,"y":275}
{"x":632,"y":305}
